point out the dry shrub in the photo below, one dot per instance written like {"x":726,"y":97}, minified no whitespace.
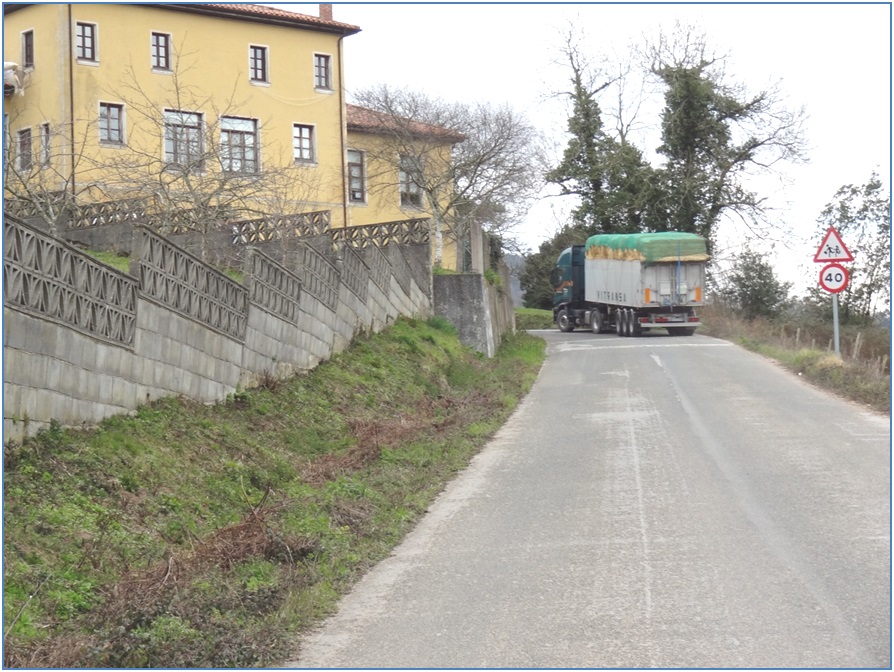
{"x":431,"y":414}
{"x":250,"y":538}
{"x":164,"y":589}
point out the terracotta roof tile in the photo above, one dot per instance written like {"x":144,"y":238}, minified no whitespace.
{"x":365,"y":120}
{"x":265,"y":12}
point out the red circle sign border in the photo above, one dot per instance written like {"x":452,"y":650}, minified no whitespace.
{"x":830,"y":267}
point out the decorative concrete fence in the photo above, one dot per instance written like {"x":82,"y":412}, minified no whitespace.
{"x":83,"y":341}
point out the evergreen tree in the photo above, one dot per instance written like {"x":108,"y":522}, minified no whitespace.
{"x":862,"y":216}
{"x":753,"y":288}
{"x":713,"y":136}
{"x":534,"y":279}
{"x":609,"y":175}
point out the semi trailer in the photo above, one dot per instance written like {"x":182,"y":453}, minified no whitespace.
{"x":631,"y":283}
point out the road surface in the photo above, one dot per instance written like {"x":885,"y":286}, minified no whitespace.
{"x":653,"y":502}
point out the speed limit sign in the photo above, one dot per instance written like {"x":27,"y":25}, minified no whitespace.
{"x":834,"y":278}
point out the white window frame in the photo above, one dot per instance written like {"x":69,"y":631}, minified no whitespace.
{"x":180,"y":119}
{"x":406,"y":178}
{"x":19,"y":154}
{"x":81,"y":59}
{"x":45,"y":139}
{"x":230,"y":125}
{"x":328,"y":88}
{"x":312,"y":139}
{"x":362,"y":177}
{"x":121,"y":137}
{"x":168,"y":54}
{"x":28,"y":67}
{"x":251,"y":67}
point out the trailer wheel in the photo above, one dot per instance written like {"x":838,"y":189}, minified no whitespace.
{"x":635,"y":328}
{"x":564,"y":321}
{"x":621,"y":322}
{"x":685,"y":331}
{"x":597,"y":323}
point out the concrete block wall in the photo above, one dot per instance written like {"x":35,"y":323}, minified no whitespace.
{"x":186,"y":340}
{"x":481,"y":313}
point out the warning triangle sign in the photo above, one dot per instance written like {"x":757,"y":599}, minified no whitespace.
{"x":833,"y":248}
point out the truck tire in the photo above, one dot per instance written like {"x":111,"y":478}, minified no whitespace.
{"x":597,"y":324}
{"x":563,"y":320}
{"x":621,"y":322}
{"x":635,"y":329}
{"x":684,"y":331}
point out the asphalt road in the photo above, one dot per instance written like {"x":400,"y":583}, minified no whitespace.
{"x":653,"y":502}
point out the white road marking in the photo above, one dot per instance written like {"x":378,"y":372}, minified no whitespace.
{"x":594,"y":345}
{"x":637,"y":477}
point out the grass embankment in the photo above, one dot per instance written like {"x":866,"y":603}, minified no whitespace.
{"x":534,"y":318}
{"x":862,"y":373}
{"x":193,"y":535}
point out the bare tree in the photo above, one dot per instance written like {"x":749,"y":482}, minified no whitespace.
{"x":200,"y":171}
{"x":190,"y":171}
{"x":40,"y":170}
{"x":474,"y":163}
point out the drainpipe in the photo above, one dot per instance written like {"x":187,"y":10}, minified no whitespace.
{"x":343,"y":129}
{"x":71,"y":106}
{"x":325,"y":13}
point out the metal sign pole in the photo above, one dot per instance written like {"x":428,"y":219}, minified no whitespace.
{"x":833,"y":277}
{"x":835,"y":323}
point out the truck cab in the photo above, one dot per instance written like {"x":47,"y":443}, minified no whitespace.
{"x":567,"y":280}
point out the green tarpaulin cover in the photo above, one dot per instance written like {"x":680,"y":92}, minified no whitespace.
{"x":650,"y":248}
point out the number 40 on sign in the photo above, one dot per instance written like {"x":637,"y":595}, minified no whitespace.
{"x":834,"y":278}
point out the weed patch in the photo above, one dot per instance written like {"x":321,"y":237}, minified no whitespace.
{"x":534,"y":318}
{"x":861,"y":373}
{"x":193,"y":535}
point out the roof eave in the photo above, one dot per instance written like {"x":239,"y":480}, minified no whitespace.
{"x":223,"y":12}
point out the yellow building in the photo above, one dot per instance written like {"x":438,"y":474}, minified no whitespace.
{"x":395,"y":168}
{"x":228,"y":111}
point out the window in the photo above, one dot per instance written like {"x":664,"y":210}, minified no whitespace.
{"x":23,"y":149}
{"x":161,"y":51}
{"x":356,"y":177}
{"x":28,"y":49}
{"x":410,"y":192}
{"x":183,"y":138}
{"x":44,"y":144}
{"x":303,"y":143}
{"x":257,"y":63}
{"x":85,"y":42}
{"x":111,"y":123}
{"x":239,"y":145}
{"x":322,"y":72}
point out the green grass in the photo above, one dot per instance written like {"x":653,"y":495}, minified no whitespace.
{"x":861,"y":373}
{"x":113,"y":259}
{"x":534,"y":318}
{"x":122,"y":263}
{"x":191,"y":535}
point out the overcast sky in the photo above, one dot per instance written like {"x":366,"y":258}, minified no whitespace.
{"x":835,"y":60}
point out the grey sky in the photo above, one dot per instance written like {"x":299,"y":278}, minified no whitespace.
{"x":835,"y":60}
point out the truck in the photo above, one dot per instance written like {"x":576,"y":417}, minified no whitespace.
{"x":631,"y":283}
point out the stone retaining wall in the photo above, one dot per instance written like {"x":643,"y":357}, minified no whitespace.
{"x":83,"y":341}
